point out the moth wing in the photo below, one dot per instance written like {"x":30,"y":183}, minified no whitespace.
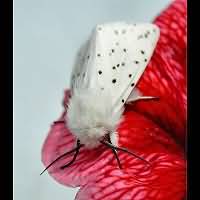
{"x":115,"y":58}
{"x":79,"y":66}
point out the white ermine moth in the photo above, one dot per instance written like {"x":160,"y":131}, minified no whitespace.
{"x":107,"y":69}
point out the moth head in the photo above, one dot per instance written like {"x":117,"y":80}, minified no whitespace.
{"x":92,"y":136}
{"x":90,"y":117}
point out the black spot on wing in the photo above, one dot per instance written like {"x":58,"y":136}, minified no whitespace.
{"x":136,"y":62}
{"x":142,"y":51}
{"x":100,"y":72}
{"x":114,"y":80}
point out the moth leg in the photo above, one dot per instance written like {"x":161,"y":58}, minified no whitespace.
{"x":113,"y":140}
{"x":136,"y":95}
{"x":117,"y":158}
{"x":59,"y":122}
{"x":143,"y":98}
{"x":108,"y":144}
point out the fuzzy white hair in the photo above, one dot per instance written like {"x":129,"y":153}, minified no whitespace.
{"x":90,"y":116}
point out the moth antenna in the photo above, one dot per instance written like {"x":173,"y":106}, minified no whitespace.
{"x":108,"y":144}
{"x":74,"y":158}
{"x":61,"y":156}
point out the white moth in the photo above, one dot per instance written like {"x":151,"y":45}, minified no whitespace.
{"x":107,"y":69}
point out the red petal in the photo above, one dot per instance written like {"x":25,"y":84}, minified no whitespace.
{"x":164,"y":181}
{"x":165,"y":76}
{"x":137,"y":180}
{"x":141,"y":134}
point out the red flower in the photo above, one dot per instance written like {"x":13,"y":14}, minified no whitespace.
{"x":154,"y":130}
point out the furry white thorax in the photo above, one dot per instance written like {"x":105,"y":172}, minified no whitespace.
{"x":90,"y":116}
